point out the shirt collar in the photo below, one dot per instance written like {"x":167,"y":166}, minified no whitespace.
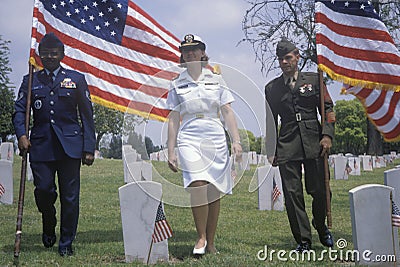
{"x":295,"y":76}
{"x":185,"y":75}
{"x":55,"y":72}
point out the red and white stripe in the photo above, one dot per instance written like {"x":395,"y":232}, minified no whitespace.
{"x":356,"y":50}
{"x":162,"y":231}
{"x":132,"y":77}
{"x":382,"y":108}
{"x":2,"y":190}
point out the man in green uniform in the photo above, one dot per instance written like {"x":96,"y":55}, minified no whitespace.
{"x":302,"y":141}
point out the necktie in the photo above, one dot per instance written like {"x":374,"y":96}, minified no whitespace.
{"x":291,"y":82}
{"x":51,"y":77}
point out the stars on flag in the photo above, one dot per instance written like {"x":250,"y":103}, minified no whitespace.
{"x":101,"y":18}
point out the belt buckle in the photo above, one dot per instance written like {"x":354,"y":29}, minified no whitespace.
{"x":298,"y":117}
{"x":199,"y":116}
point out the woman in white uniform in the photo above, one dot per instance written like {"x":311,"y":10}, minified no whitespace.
{"x":197,"y":98}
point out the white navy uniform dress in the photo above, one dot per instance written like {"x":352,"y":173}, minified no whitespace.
{"x":202,"y":147}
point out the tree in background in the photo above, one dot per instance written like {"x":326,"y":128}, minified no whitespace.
{"x":6,"y":92}
{"x":350,"y":128}
{"x":114,"y":149}
{"x":150,"y":148}
{"x":106,"y":121}
{"x":248,"y":140}
{"x":137,"y":143}
{"x":266,"y":21}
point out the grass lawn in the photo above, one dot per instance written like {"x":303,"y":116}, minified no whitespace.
{"x":242,"y":231}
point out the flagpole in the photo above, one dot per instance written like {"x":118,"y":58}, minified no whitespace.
{"x":24,"y":166}
{"x":326,"y":166}
{"x":151,"y":247}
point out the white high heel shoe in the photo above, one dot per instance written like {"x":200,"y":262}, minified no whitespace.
{"x":200,"y":251}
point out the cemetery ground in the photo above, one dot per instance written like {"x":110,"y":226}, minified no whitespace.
{"x":242,"y":231}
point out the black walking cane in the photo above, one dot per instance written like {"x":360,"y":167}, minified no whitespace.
{"x":326,"y":165}
{"x":24,"y":166}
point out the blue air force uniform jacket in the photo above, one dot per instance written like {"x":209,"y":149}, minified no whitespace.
{"x":300,"y":131}
{"x":63,"y":122}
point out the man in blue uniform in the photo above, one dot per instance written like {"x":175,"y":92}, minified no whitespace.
{"x":302,"y":141}
{"x":61,"y":138}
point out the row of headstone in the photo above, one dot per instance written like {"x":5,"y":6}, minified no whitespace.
{"x":344,"y":166}
{"x":249,"y":158}
{"x":6,"y":172}
{"x":161,"y":155}
{"x":270,"y":193}
{"x":373,"y":231}
{"x":135,"y":169}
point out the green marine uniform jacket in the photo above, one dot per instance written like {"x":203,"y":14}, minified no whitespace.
{"x":300,"y":131}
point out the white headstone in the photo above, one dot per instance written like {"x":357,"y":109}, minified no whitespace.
{"x":376,"y":162}
{"x":163,"y":155}
{"x":147,"y":171}
{"x":129,"y":160}
{"x":253,"y":157}
{"x":392,"y":179}
{"x":261,"y":159}
{"x":7,"y":151}
{"x":244,"y":164}
{"x":382,"y":161}
{"x":29,"y":173}
{"x":266,"y":175}
{"x":6,"y":182}
{"x":366,"y":162}
{"x":341,"y":170}
{"x":354,"y":164}
{"x":139,"y":202}
{"x":371,"y":218}
{"x":133,"y":172}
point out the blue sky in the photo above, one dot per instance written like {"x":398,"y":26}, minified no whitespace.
{"x":218,"y":23}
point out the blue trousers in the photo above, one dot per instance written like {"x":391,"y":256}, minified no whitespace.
{"x":68,"y":173}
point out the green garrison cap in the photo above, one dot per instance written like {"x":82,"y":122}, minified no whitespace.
{"x":283,"y":47}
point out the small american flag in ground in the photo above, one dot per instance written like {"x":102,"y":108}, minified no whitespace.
{"x":2,"y":190}
{"x":275,"y":191}
{"x":395,"y":215}
{"x":162,"y":230}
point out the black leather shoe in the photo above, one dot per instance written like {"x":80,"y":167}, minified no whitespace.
{"x":67,"y":251}
{"x":48,"y":240}
{"x":325,"y":236}
{"x":302,"y":247}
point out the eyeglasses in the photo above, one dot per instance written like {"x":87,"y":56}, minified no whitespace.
{"x":47,"y":53}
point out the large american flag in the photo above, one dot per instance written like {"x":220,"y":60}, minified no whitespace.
{"x":354,"y":45}
{"x":162,"y":230}
{"x":382,"y":108}
{"x":127,"y":57}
